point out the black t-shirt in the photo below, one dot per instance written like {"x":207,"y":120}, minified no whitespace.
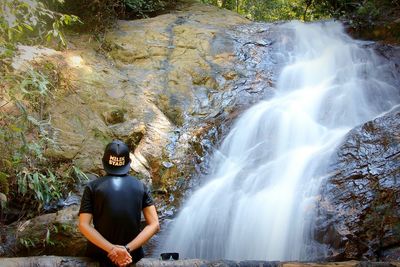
{"x":116,"y":203}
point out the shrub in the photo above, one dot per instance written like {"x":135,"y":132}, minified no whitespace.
{"x":100,"y":15}
{"x":26,"y":175}
{"x":30,"y":22}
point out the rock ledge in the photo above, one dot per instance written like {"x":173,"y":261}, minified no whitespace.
{"x":52,"y":261}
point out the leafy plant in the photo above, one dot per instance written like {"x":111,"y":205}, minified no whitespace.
{"x":28,"y":242}
{"x":100,"y":15}
{"x":26,"y":172}
{"x":79,"y":175}
{"x":31,"y":22}
{"x":40,"y":238}
{"x":364,"y":13}
{"x":4,"y":186}
{"x":45,"y":187}
{"x":143,"y":6}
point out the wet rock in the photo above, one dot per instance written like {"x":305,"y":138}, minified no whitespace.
{"x":391,"y":254}
{"x":359,"y":214}
{"x":390,"y":52}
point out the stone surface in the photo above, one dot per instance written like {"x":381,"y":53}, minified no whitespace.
{"x":53,"y":261}
{"x":359,"y":215}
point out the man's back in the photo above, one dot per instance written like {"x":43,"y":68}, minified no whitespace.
{"x":116,"y":203}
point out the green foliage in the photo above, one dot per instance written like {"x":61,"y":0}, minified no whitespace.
{"x":28,"y":242}
{"x":95,"y":15}
{"x":352,"y":10}
{"x":276,"y":10}
{"x":26,"y":131}
{"x":26,"y":172}
{"x":273,"y":10}
{"x":144,"y":7}
{"x":43,"y":238}
{"x":34,"y":87}
{"x":4,"y":186}
{"x":371,"y":19}
{"x":100,"y":15}
{"x":364,"y":13}
{"x":78,"y":174}
{"x":47,"y":241}
{"x":44,"y":187}
{"x":30,"y":22}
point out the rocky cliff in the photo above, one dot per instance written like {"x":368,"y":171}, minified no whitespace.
{"x":359,"y":210}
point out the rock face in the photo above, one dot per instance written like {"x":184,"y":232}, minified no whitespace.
{"x":359,"y":215}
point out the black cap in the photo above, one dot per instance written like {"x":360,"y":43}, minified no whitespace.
{"x":116,"y":158}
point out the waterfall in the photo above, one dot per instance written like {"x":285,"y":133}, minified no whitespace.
{"x":259,"y":199}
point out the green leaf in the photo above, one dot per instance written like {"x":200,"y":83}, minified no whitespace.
{"x":48,"y":37}
{"x":47,"y":235}
{"x":3,"y":200}
{"x":3,"y":175}
{"x":33,"y":120}
{"x":39,"y":196}
{"x":22,"y":183}
{"x":15,"y":128}
{"x":62,"y":39}
{"x":29,"y":27}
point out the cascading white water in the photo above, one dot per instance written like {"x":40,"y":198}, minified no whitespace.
{"x":258,"y":202}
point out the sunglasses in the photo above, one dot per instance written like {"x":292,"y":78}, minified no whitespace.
{"x":167,"y":256}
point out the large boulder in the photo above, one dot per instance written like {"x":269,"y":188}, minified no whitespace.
{"x":49,"y":234}
{"x":359,"y":214}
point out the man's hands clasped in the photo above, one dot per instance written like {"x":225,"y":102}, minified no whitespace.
{"x":120,"y":256}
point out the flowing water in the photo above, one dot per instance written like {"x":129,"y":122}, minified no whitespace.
{"x":258,"y":202}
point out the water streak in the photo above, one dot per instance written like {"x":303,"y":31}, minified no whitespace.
{"x":259,"y":201}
